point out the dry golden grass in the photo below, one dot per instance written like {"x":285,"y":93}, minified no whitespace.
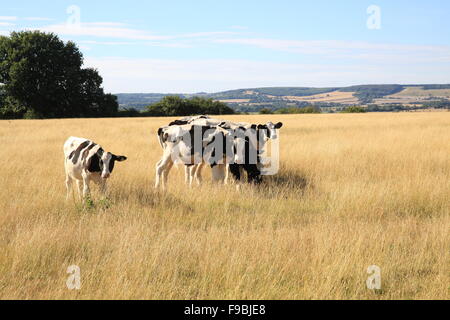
{"x":353,"y":191}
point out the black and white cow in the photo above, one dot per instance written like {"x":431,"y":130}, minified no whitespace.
{"x":175,"y":128}
{"x":192,"y":145}
{"x":250,"y":142}
{"x":255,"y":142}
{"x":246,"y":151}
{"x":86,"y":161}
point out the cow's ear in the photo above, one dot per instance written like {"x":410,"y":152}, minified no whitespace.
{"x":253,"y":126}
{"x":278,"y":125}
{"x":120,"y":158}
{"x":262,"y":126}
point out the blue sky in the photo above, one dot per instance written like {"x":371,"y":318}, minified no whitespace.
{"x":192,"y":46}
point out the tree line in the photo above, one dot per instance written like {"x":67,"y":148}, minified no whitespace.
{"x":173,"y":105}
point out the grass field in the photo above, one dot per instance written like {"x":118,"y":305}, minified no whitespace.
{"x":333,"y":97}
{"x":354,"y":190}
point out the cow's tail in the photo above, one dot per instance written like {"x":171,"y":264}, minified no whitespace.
{"x":161,"y":139}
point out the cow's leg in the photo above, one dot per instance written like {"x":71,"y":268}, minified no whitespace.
{"x":187,"y":174}
{"x":236,"y":172}
{"x":198,"y":173}
{"x":218,"y":173}
{"x":79,"y":188}
{"x":227,"y":174}
{"x":162,"y":170}
{"x":166,"y":172}
{"x":86,"y":190}
{"x":69,"y":186}
{"x":159,"y":171}
{"x":103,"y":187}
{"x":253,"y":174}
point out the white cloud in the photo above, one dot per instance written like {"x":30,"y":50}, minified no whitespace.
{"x":6,"y":24}
{"x":105,"y":24}
{"x":4,"y":33}
{"x":8,"y":18}
{"x":101,"y":29}
{"x":207,"y":34}
{"x":107,"y":43}
{"x":130,"y":43}
{"x":37,"y":19}
{"x":386,"y":52}
{"x":122,"y":31}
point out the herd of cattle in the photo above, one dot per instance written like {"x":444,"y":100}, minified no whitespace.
{"x":229,"y":148}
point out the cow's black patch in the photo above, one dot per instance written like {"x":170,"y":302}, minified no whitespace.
{"x":263,"y":127}
{"x":111,"y":164}
{"x":224,"y":125}
{"x":113,"y":160}
{"x":76,"y":154}
{"x":178,"y":123}
{"x":86,"y":151}
{"x":96,"y":163}
{"x":235,"y":171}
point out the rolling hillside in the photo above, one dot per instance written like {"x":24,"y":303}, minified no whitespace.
{"x":253,"y":100}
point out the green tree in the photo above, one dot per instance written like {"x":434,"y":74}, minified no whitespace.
{"x":297,"y":110}
{"x":353,"y":109}
{"x":177,"y":106}
{"x":43,"y":77}
{"x":265,"y":111}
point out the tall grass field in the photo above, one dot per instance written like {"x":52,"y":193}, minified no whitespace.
{"x":353,"y":190}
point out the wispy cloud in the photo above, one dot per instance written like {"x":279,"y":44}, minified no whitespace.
{"x":6,"y":24}
{"x":103,"y":30}
{"x":206,"y":34}
{"x":349,"y":49}
{"x":125,"y":33}
{"x":8,"y":18}
{"x":37,"y":19}
{"x":137,"y":43}
{"x":108,"y":43}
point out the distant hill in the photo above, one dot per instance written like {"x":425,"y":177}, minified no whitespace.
{"x":331,"y":98}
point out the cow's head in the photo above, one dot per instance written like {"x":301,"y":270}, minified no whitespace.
{"x":269,"y":130}
{"x":103,"y":162}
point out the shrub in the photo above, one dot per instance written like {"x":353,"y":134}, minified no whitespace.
{"x":354,"y":109}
